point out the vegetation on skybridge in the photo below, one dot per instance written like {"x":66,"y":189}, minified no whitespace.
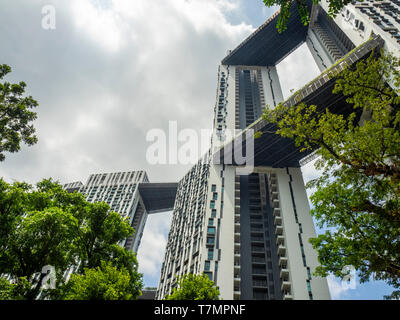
{"x":304,"y":12}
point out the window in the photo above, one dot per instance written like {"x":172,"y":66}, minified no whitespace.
{"x":210,"y":240}
{"x":210,"y":254}
{"x":309,"y":273}
{"x":309,"y":290}
{"x":215,"y":196}
{"x":209,"y":275}
{"x":207,"y":266}
{"x":211,"y":230}
{"x":212,"y":204}
{"x":210,"y":222}
{"x":213,"y":213}
{"x":213,"y":188}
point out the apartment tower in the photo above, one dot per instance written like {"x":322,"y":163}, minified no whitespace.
{"x":249,"y":232}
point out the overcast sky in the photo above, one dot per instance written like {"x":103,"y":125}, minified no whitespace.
{"x":111,"y":71}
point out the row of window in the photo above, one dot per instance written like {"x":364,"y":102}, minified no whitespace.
{"x":187,"y":221}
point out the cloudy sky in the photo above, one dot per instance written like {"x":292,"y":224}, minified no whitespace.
{"x":111,"y":71}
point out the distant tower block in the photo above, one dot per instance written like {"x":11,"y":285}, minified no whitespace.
{"x":131,"y":195}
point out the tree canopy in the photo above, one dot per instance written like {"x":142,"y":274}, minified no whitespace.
{"x":194,"y":287}
{"x":357,"y":196}
{"x":102,"y":283}
{"x":47,"y":226}
{"x":15,"y":115}
{"x":334,"y":8}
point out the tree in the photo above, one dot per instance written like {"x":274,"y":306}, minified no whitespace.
{"x":13,"y":291}
{"x":103,"y":283}
{"x":47,"y":226}
{"x":357,"y":197}
{"x":15,"y":115}
{"x":334,"y":8}
{"x":194,"y":287}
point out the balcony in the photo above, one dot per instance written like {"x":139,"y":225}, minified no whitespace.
{"x":280,"y":240}
{"x":285,"y":286}
{"x":236,"y":293}
{"x":237,"y":237}
{"x":278,"y":221}
{"x":237,"y":246}
{"x":275,"y":195}
{"x":279,"y":230}
{"x":283,"y":261}
{"x":287,"y":296}
{"x":273,"y":179}
{"x":275,"y":203}
{"x":277,"y":212}
{"x":281,"y":250}
{"x":284,"y":274}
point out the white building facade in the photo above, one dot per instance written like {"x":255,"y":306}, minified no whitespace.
{"x":120,"y":190}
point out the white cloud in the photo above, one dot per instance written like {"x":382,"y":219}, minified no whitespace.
{"x":110,"y":72}
{"x":336,"y":288}
{"x":101,"y":25}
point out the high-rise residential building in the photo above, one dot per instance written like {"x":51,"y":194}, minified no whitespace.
{"x":131,"y":195}
{"x":249,"y":233}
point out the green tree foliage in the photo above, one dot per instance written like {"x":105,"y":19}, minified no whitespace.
{"x":13,"y":291}
{"x":357,"y":197}
{"x":47,"y":226}
{"x":102,"y":283}
{"x":194,"y":287}
{"x":15,"y":115}
{"x":334,"y":8}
